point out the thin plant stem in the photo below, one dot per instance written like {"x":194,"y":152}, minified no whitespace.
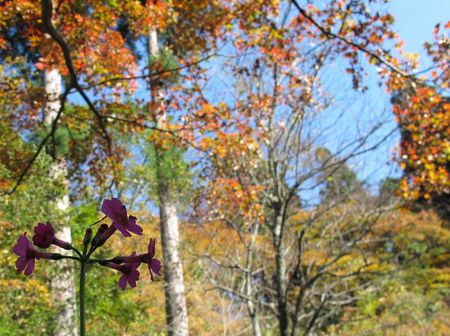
{"x":76,"y":251}
{"x":82,"y":299}
{"x":84,"y":262}
{"x":104,"y":217}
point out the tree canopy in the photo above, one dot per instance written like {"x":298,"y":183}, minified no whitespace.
{"x":245,"y":132}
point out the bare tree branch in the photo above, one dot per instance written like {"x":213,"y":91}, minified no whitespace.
{"x":151,"y":74}
{"x":47,"y":10}
{"x":332,"y":35}
{"x":41,"y":145}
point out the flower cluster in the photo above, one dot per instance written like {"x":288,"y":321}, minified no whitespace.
{"x":27,"y":255}
{"x":44,"y":237}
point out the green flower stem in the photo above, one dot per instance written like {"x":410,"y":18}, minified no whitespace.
{"x":76,"y":251}
{"x":84,"y":262}
{"x":82,"y":298}
{"x":116,"y":260}
{"x":99,"y":221}
{"x":56,"y":256}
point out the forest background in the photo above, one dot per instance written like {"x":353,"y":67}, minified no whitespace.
{"x":291,"y":157}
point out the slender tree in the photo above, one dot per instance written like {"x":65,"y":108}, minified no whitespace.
{"x":63,"y":283}
{"x":176,"y":311}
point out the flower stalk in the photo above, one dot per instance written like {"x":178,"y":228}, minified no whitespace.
{"x":83,"y":298}
{"x":44,"y":236}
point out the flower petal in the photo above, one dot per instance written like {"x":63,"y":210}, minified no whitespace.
{"x":121,"y":228}
{"x":134,"y":260}
{"x":155,"y":266}
{"x":132,"y":283}
{"x":123,"y":282}
{"x":133,"y":227}
{"x":112,"y":208}
{"x":30,"y":267}
{"x":30,"y":245}
{"x":133,"y":277}
{"x":42,"y":241}
{"x":21,"y":246}
{"x":21,"y":263}
{"x":44,"y":229}
{"x":50,"y":228}
{"x":151,"y":247}
{"x":39,"y":228}
{"x":135,"y":274}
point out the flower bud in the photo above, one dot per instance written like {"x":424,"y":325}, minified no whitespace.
{"x":87,"y":237}
{"x":98,"y":236}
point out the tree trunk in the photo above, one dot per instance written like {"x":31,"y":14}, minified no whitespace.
{"x":63,"y":283}
{"x":251,"y":307}
{"x":176,"y":311}
{"x":280,"y":264}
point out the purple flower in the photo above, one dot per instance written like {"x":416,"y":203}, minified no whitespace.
{"x":129,"y":272}
{"x":154,"y":265}
{"x":117,"y":212}
{"x":27,"y":254}
{"x":44,"y":236}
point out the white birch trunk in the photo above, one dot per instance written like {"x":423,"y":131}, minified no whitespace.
{"x":249,"y":289}
{"x":63,"y":284}
{"x":176,"y":311}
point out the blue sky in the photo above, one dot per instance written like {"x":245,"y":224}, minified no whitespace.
{"x":415,"y":20}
